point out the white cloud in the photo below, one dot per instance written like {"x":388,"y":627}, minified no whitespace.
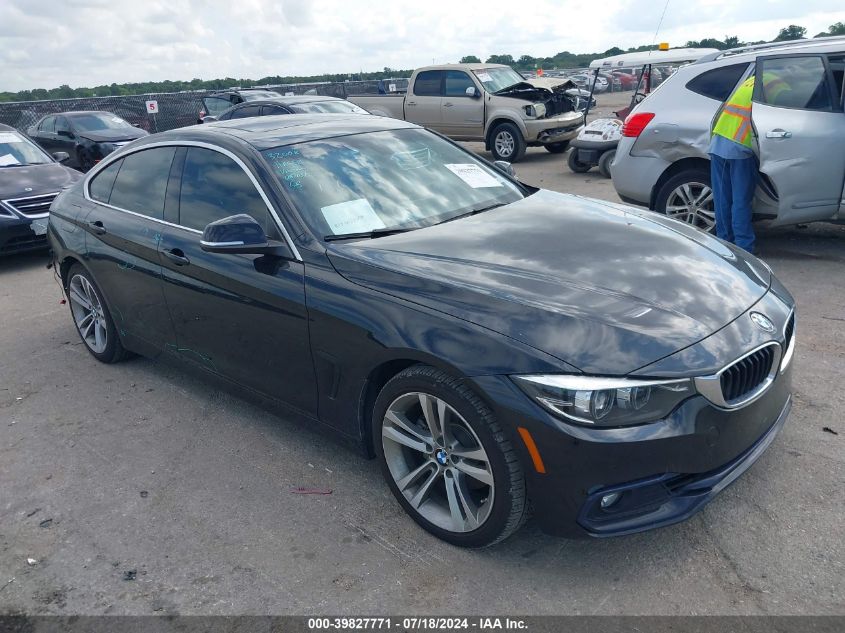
{"x":44,"y":43}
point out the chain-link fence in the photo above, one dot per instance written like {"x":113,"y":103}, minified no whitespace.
{"x":175,"y":109}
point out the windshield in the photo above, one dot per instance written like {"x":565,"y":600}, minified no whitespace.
{"x":495,"y":79}
{"x":341,"y":107}
{"x":97,"y":122}
{"x":397,"y":179}
{"x":255,"y":95}
{"x":15,"y":149}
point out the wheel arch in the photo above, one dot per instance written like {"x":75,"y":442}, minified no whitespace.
{"x":674,"y":169}
{"x":381,"y":374}
{"x":498,"y":120}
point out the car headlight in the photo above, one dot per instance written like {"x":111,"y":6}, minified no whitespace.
{"x":606,"y":402}
{"x":535,"y":110}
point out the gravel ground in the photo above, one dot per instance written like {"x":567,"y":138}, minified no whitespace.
{"x":137,"y":489}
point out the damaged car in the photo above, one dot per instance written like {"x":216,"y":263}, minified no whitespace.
{"x":491,"y":103}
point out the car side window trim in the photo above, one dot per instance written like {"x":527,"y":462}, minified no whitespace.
{"x":112,"y":157}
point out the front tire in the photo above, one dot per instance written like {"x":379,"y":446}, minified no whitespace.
{"x":506,"y":143}
{"x":84,"y":159}
{"x":688,"y":197}
{"x":92,"y":318}
{"x":447,"y":460}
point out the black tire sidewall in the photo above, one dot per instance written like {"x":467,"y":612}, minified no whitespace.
{"x":518,"y":142}
{"x":575,"y":165}
{"x":114,"y":349}
{"x":604,"y":162}
{"x":697,"y":174}
{"x":557,"y":148}
{"x":496,"y":523}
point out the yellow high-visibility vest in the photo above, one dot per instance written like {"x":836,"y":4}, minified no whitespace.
{"x":734,"y":122}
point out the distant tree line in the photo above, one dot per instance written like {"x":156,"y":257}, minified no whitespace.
{"x":523,"y":63}
{"x":582,"y":60}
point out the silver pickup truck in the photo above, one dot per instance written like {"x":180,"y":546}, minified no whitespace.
{"x":485,"y":102}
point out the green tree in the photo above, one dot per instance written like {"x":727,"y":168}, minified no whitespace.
{"x":500,"y":59}
{"x":791,"y":32}
{"x":833,"y":29}
{"x":470,"y":59}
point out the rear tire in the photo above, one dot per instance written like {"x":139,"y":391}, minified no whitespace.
{"x":92,"y":318}
{"x":447,"y":460}
{"x":688,"y":197}
{"x":506,"y":143}
{"x":604,"y":162}
{"x":576,"y":165}
{"x":557,"y":148}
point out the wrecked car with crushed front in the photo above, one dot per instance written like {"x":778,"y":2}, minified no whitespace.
{"x":487,"y":102}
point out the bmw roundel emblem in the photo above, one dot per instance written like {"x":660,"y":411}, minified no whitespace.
{"x":27,"y":189}
{"x":762,"y":322}
{"x":441,"y":457}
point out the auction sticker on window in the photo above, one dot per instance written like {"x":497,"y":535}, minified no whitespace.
{"x":473,"y":175}
{"x":8,"y":159}
{"x":484,"y":77}
{"x":354,"y":216}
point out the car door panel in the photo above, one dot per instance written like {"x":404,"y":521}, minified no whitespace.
{"x":424,"y":104}
{"x":800,"y":135}
{"x":462,"y":115}
{"x":242,"y":317}
{"x":122,"y":255}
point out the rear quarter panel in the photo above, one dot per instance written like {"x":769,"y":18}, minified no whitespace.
{"x":383,"y":105}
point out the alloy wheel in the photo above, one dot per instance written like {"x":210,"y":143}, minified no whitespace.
{"x":505,"y":143}
{"x":438,"y":462}
{"x":88,"y":314}
{"x":692,"y":202}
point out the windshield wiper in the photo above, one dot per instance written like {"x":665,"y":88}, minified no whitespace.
{"x":472,"y":212}
{"x":368,"y":234}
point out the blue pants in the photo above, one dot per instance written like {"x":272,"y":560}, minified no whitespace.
{"x":734,"y":181}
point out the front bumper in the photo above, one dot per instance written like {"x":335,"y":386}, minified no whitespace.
{"x":18,"y":235}
{"x":553,"y":130}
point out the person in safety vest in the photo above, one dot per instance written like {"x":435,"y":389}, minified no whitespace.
{"x":733,"y":165}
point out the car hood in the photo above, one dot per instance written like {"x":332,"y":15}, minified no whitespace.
{"x":39,"y":179}
{"x":603,"y":287}
{"x":113,"y":136}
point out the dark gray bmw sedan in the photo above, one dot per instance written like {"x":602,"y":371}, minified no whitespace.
{"x":488,"y":342}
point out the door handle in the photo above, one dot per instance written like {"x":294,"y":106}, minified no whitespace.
{"x":448,"y":104}
{"x":177,"y":257}
{"x":96,"y":227}
{"x":778,"y":134}
{"x":410,"y":103}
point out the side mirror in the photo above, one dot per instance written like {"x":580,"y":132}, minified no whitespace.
{"x":473,"y":92}
{"x":136,"y":125}
{"x":505,"y":166}
{"x":241,"y":234}
{"x":61,"y":156}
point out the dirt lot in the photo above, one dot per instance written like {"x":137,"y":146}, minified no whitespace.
{"x":138,"y":489}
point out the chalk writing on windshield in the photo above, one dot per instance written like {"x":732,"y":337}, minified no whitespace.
{"x":289,"y":166}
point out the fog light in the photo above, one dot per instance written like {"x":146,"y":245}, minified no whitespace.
{"x":609,"y":500}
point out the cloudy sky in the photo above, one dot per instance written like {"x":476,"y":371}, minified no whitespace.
{"x":45,"y":43}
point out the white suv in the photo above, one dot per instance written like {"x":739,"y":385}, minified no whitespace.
{"x":799,"y":135}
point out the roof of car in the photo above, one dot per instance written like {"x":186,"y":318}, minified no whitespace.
{"x":289,"y":100}
{"x":789,"y":46}
{"x":74,"y":113}
{"x":275,"y":131}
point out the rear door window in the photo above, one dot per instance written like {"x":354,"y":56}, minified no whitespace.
{"x":101,"y":186}
{"x":245,"y":112}
{"x":215,"y":105}
{"x":141,"y":183}
{"x":794,"y":82}
{"x":427,"y":83}
{"x":718,"y":83}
